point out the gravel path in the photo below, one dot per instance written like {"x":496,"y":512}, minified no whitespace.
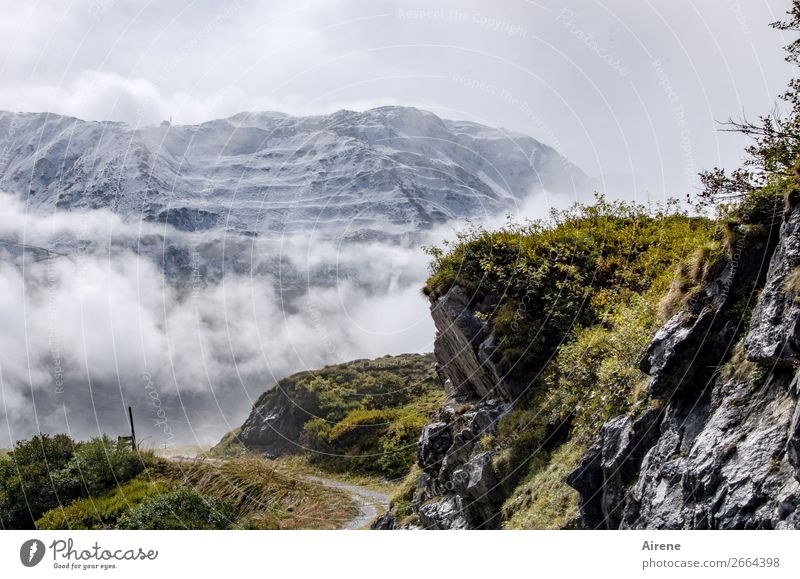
{"x":370,"y":503}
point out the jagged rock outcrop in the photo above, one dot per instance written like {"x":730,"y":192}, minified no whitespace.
{"x":721,"y":463}
{"x":721,"y":450}
{"x":465,"y":348}
{"x":458,"y":488}
{"x":610,"y":465}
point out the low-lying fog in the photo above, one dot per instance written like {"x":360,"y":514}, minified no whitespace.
{"x":92,"y":324}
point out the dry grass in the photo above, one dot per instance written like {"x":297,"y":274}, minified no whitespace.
{"x":671,"y":302}
{"x":703,"y":264}
{"x":268,"y":495}
{"x":706,"y":261}
{"x":792,"y":283}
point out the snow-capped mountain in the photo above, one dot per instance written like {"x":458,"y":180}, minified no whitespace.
{"x":359,"y":175}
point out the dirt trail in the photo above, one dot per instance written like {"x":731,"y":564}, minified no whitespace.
{"x":370,"y":503}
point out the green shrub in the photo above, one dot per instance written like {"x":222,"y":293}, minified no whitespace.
{"x":597,"y":374}
{"x":52,"y":471}
{"x":398,"y":443}
{"x":762,"y":205}
{"x":181,"y":509}
{"x":98,"y":465}
{"x":101,"y":512}
{"x":28,"y":485}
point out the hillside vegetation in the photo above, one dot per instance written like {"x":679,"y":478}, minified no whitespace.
{"x":361,"y":417}
{"x":53,"y":482}
{"x":573,"y":303}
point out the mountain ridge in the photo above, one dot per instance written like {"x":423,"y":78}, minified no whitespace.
{"x":385,"y":171}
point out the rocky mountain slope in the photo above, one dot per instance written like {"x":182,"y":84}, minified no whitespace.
{"x":384,"y":172}
{"x":709,"y":439}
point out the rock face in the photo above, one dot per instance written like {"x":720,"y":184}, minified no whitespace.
{"x":721,"y":452}
{"x":774,"y":331}
{"x":458,"y":488}
{"x":719,"y":447}
{"x":465,"y":350}
{"x":274,"y":426}
{"x":720,"y":464}
{"x":612,"y":464}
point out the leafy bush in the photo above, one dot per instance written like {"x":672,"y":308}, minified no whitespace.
{"x":98,"y":465}
{"x":28,"y":486}
{"x":398,"y":443}
{"x":596,"y":373}
{"x":52,"y":471}
{"x":181,"y":509}
{"x":101,"y":512}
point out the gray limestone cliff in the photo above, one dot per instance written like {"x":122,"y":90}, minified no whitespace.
{"x":458,"y":488}
{"x":721,"y":449}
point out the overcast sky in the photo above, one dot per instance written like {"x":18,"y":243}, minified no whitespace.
{"x":619,"y":87}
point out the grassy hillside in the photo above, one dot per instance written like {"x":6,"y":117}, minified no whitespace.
{"x":574,"y":301}
{"x":361,"y":417}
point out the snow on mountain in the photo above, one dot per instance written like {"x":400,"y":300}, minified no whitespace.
{"x":359,"y":175}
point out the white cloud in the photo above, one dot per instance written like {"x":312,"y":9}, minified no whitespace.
{"x":87,"y":332}
{"x":102,"y":319}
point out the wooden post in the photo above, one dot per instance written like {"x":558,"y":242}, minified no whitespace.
{"x":133,"y":431}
